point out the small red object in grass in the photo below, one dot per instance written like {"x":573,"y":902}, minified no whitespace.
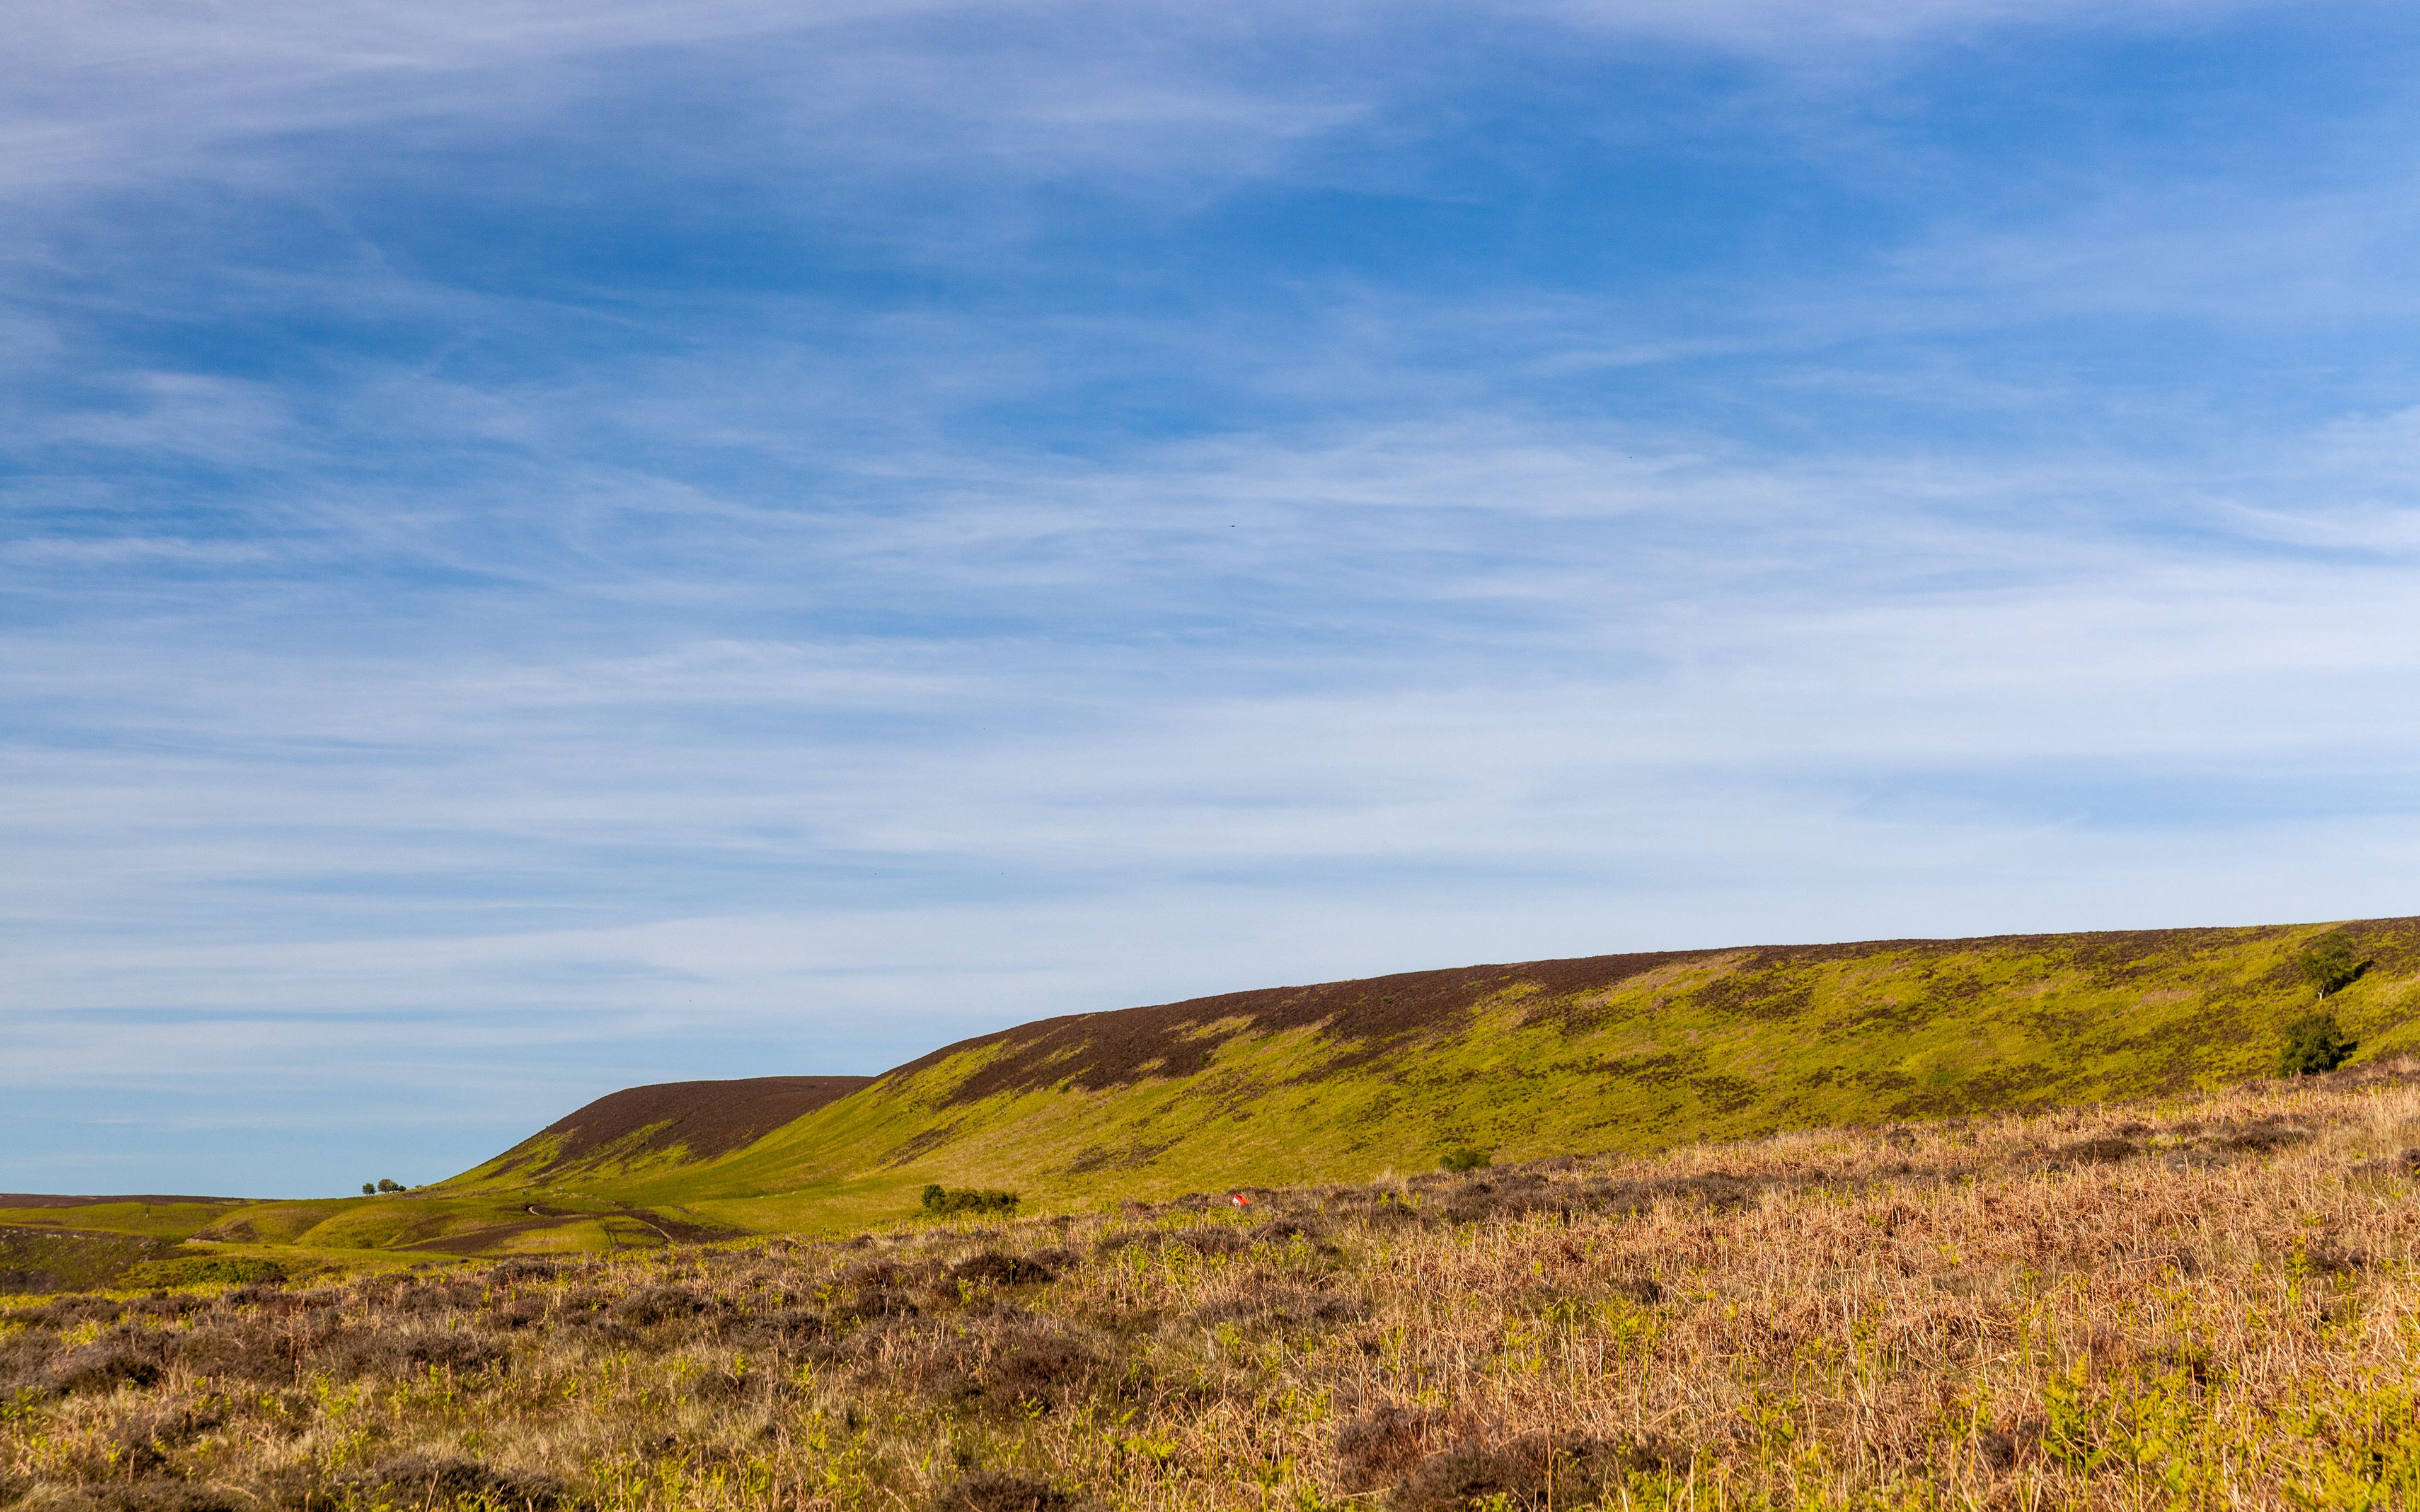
{"x":1239,"y":1200}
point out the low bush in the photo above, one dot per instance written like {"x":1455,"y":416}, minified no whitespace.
{"x":940,"y":1202}
{"x":1466,"y":1158}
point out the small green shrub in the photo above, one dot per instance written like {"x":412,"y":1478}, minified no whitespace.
{"x":388,"y":1184}
{"x":1466,"y":1158}
{"x":2314,"y":1043}
{"x":940,"y":1202}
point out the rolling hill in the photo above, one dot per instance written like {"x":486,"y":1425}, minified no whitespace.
{"x":1604,"y":1054}
{"x":667,"y":1125}
{"x":1346,"y":1080}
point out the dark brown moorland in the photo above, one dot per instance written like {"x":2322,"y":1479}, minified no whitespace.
{"x":705,"y":1119}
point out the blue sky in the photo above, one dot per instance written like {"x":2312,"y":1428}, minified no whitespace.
{"x":549,"y":546}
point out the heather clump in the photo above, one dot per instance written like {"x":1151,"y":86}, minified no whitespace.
{"x":1538,"y":1470}
{"x":994,"y":1490}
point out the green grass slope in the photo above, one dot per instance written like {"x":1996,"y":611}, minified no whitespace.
{"x":57,"y":1243}
{"x":150,"y":1217}
{"x":59,"y":1259}
{"x":527,"y":1200}
{"x":1608,"y":1054}
{"x":1347,"y":1080}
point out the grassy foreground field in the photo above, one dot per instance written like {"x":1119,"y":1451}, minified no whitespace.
{"x":2203,"y":1302}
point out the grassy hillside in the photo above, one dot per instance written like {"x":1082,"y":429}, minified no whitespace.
{"x":1609,"y":1054}
{"x":1349,"y":1080}
{"x":150,"y":1217}
{"x":2197,"y":1303}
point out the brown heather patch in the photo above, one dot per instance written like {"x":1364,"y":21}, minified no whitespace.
{"x":2204,"y":1305}
{"x":35,"y":1199}
{"x":1096,"y":1051}
{"x":702,"y":1119}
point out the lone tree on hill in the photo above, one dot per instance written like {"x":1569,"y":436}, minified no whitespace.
{"x":2314,"y":1043}
{"x":370,"y":1189}
{"x":2330,"y":963}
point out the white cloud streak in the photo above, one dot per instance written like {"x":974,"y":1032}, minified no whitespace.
{"x":133,"y":90}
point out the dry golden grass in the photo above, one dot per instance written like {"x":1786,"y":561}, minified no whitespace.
{"x":2204,"y":1305}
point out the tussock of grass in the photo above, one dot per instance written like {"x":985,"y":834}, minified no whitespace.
{"x":2199,"y":1303}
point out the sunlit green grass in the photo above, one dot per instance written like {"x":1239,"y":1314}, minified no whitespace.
{"x":1721,"y":1045}
{"x":1724,"y":1046}
{"x":161,"y":1220}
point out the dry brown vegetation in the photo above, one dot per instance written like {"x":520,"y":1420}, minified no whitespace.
{"x":2197,"y":1305}
{"x":685,"y":1121}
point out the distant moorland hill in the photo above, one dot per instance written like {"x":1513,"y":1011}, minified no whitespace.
{"x":1350,"y":1080}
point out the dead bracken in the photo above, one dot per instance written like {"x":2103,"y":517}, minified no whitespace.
{"x":2214,"y":1300}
